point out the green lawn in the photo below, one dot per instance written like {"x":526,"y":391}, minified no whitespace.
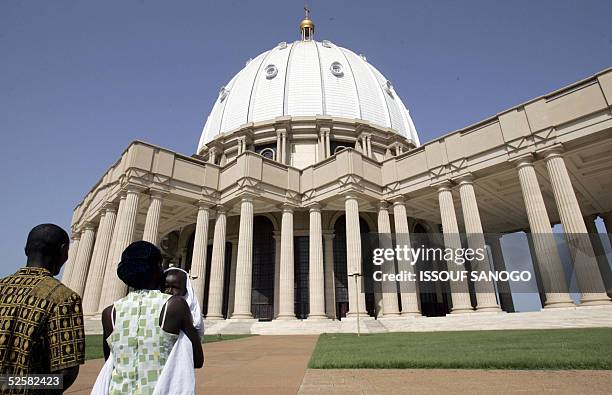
{"x":93,"y":343}
{"x":509,"y":349}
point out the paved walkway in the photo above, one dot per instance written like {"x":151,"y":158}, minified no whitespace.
{"x":428,"y":381}
{"x":258,"y":364}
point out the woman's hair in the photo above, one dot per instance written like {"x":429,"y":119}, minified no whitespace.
{"x":141,"y":265}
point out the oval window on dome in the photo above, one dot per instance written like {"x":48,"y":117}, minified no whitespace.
{"x":389,"y":88}
{"x":326,"y":43}
{"x":336,"y":69}
{"x":271,"y":71}
{"x":282,"y":45}
{"x":223,"y":92}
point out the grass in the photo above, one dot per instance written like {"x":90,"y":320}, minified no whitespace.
{"x":508,"y":349}
{"x":93,"y":343}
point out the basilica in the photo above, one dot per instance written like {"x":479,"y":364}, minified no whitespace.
{"x":309,"y":149}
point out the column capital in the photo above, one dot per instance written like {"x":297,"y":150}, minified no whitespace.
{"x":399,"y":200}
{"x":523,"y":160}
{"x":349,"y":196}
{"x":466,"y":179}
{"x":109,"y":206}
{"x":324,"y":129}
{"x":287,"y":207}
{"x":76,"y":235}
{"x":383,"y":205}
{"x":157,"y":193}
{"x":553,"y":151}
{"x":247,"y":197}
{"x":444,"y":185}
{"x":89,"y":226}
{"x":281,"y":132}
{"x":314,"y":207}
{"x":590,"y":218}
{"x":203,"y":205}
{"x":130,"y":187}
{"x":221,"y":209}
{"x":328,"y":236}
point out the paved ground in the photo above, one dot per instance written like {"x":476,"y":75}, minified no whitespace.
{"x":277,"y":365}
{"x":258,"y":364}
{"x":402,"y":381}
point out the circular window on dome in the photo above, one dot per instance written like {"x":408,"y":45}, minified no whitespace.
{"x":326,"y":43}
{"x":223,"y":92}
{"x":271,"y":71}
{"x":282,"y":45}
{"x":336,"y":69}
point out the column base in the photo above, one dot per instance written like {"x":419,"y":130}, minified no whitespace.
{"x":462,"y":310}
{"x":389,"y":315}
{"x":214,"y":318}
{"x":317,"y":317}
{"x":489,"y":309}
{"x":286,"y":317}
{"x":558,"y":304}
{"x":362,"y":314}
{"x":411,"y":314}
{"x":595,"y":299}
{"x":242,"y":316}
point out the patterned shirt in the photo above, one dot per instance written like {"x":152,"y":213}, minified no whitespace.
{"x":41,"y":324}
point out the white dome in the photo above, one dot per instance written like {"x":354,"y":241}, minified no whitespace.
{"x":308,"y":78}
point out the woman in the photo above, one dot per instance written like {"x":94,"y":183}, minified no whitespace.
{"x":141,"y":329}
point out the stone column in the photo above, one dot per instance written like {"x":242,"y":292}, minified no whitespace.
{"x":217,"y":268}
{"x":326,"y":146}
{"x":279,"y":147}
{"x":321,"y":145}
{"x":583,"y":256}
{"x":460,"y":291}
{"x":95,"y":277}
{"x":485,"y":290}
{"x":408,"y":294}
{"x":232,"y":281}
{"x":114,"y":288}
{"x":83,"y":257}
{"x":200,"y":244}
{"x":286,"y":305}
{"x":607,"y":219}
{"x":316,"y":281}
{"x":370,"y":146}
{"x":283,"y":134}
{"x":353,"y":257}
{"x":389,"y":290}
{"x":330,"y":286}
{"x":600,"y":252}
{"x":151,"y":230}
{"x":545,"y":246}
{"x":244,"y":266}
{"x":505,"y":293}
{"x":72,"y":252}
{"x":277,"y":254}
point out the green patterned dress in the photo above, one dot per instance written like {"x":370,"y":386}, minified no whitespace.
{"x":139,"y":346}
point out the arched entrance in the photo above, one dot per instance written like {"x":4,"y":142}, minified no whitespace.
{"x":262,"y":292}
{"x":340,"y":273}
{"x":434,"y":296}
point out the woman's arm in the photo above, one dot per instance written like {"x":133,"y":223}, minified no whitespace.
{"x":178,"y":318}
{"x":107,"y":329}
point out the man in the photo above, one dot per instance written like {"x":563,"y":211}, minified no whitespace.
{"x":41,"y":320}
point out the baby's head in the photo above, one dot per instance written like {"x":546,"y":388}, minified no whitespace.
{"x":176,"y":283}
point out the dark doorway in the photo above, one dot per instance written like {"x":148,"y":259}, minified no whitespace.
{"x":434,"y":296}
{"x":262,"y":293}
{"x":226,"y":277}
{"x":301,"y":259}
{"x":340,"y":273}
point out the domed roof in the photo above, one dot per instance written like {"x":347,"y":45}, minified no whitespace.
{"x":308,"y":78}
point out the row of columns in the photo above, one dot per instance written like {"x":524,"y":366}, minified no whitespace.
{"x":100,"y":285}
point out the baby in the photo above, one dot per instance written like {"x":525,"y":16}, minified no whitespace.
{"x":178,"y":283}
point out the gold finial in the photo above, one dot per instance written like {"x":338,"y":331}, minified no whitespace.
{"x":307,"y":25}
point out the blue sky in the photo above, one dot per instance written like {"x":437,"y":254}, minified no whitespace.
{"x":80,"y":80}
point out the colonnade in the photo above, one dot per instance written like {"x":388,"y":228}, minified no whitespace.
{"x":96,"y":250}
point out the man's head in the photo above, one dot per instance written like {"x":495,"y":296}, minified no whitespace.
{"x":141,"y":266}
{"x":176,"y":283}
{"x":47,"y":247}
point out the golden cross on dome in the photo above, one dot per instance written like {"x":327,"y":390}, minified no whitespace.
{"x":306,"y":12}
